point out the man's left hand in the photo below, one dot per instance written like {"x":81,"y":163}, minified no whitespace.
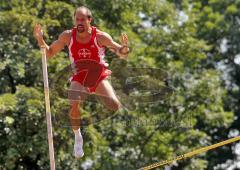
{"x":124,"y":43}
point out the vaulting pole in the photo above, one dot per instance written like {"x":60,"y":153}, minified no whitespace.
{"x":48,"y":111}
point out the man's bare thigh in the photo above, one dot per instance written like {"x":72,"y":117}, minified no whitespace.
{"x":77,"y":92}
{"x":107,"y":95}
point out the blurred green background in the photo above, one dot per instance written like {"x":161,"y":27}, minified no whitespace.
{"x":194,"y":44}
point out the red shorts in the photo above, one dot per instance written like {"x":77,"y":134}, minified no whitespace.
{"x":91,"y":80}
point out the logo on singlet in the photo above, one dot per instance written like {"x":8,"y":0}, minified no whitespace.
{"x":84,"y":53}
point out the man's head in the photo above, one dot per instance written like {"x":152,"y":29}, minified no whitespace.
{"x":82,"y":19}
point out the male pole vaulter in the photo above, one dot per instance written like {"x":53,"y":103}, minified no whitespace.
{"x":86,"y":50}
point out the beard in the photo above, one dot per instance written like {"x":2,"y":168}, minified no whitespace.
{"x":80,"y":28}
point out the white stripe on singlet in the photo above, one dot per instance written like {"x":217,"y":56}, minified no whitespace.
{"x":70,"y":56}
{"x":69,"y":49}
{"x":101,"y":53}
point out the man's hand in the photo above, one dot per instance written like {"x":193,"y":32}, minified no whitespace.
{"x":121,"y":49}
{"x":124,"y":39}
{"x":38,"y":32}
{"x":124,"y":43}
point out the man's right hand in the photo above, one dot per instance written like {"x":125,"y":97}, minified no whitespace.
{"x":38,"y":32}
{"x":56,"y":46}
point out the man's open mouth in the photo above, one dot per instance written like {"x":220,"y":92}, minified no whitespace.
{"x":80,"y":26}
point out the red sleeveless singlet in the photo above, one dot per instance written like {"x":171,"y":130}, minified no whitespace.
{"x":89,"y":57}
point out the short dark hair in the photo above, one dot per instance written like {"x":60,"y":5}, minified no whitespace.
{"x":89,"y":13}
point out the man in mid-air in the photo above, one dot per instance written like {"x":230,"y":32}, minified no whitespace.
{"x":86,"y":46}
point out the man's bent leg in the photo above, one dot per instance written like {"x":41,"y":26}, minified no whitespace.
{"x":107,"y":96}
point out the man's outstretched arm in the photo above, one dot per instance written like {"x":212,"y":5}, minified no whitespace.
{"x":121,"y":50}
{"x":55,"y":47}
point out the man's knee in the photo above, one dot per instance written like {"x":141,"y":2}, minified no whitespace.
{"x":75,"y":98}
{"x":115,"y":105}
{"x":74,"y":103}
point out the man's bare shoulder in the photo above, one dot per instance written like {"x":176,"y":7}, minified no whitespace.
{"x":65,"y":36}
{"x":102,"y":36}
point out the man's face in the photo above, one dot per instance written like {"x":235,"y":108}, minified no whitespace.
{"x":81,"y":20}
